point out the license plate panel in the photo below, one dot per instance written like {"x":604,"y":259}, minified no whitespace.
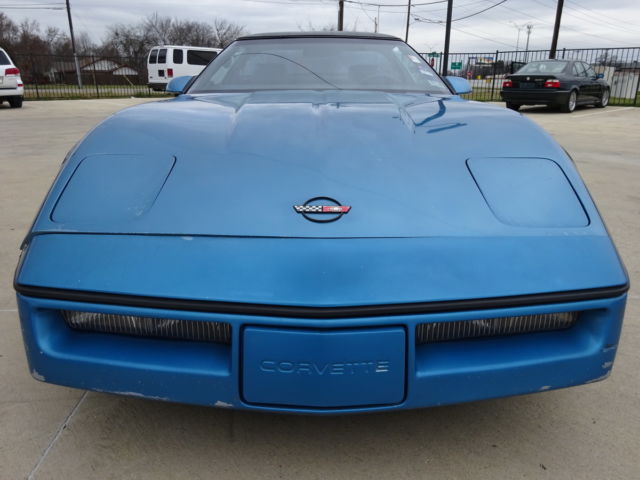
{"x":323,"y":369}
{"x":527,"y":85}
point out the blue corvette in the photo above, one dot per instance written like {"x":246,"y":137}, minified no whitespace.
{"x":319,"y":223}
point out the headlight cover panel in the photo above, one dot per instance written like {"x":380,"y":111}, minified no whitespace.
{"x":528,"y":192}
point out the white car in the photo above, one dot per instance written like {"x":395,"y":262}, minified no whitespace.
{"x":169,"y":61}
{"x":11,"y":86}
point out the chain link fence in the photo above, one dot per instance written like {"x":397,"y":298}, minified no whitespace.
{"x":486,"y":71}
{"x":54,"y":77}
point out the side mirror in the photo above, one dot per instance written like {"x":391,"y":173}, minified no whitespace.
{"x":459,"y":85}
{"x":600,"y":75}
{"x":177,"y":84}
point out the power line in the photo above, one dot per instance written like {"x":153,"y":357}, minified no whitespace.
{"x":30,"y":8}
{"x":590,"y":18}
{"x":294,"y":2}
{"x":602,"y":14}
{"x":566,"y":27}
{"x":458,"y":6}
{"x":482,"y":37}
{"x":373,"y":7}
{"x":404,"y":5}
{"x":467,"y":32}
{"x":35,"y":4}
{"x":466,"y":16}
{"x":480,"y":11}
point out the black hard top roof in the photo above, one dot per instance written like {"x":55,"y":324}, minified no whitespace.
{"x":377,"y":36}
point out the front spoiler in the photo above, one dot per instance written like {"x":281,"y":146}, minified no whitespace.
{"x":210,"y":374}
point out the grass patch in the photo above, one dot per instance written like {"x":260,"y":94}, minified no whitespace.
{"x":62,"y":92}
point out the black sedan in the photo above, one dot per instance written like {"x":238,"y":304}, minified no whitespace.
{"x":559,"y":83}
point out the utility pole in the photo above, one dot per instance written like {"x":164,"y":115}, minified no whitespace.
{"x":73,"y":46}
{"x":556,"y":30}
{"x":377,"y":23}
{"x":519,"y":28}
{"x":406,"y":35}
{"x":447,"y":38}
{"x":340,"y":15}
{"x":526,"y":49}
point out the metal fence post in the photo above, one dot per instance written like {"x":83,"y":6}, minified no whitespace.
{"x":635,"y":99}
{"x":93,"y":69}
{"x":493,"y":80}
{"x":35,"y":76}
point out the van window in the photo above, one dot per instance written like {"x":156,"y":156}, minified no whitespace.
{"x":162,"y":55}
{"x":177,"y":55}
{"x":200,"y":57}
{"x":153,"y":58}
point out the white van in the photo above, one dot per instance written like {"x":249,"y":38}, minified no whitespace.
{"x":169,"y":61}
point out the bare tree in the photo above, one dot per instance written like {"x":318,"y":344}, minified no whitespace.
{"x":187,"y":32}
{"x":123,"y":40}
{"x":136,"y":40}
{"x":126,"y":40}
{"x":8,"y":32}
{"x":156,"y":28}
{"x":310,"y":27}
{"x":226,"y":32}
{"x":329,"y":27}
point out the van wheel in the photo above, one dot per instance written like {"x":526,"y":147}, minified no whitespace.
{"x":513,"y":106}
{"x":570,"y":105}
{"x":15,"y":102}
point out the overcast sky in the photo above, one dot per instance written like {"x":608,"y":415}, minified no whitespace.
{"x":585,"y":23}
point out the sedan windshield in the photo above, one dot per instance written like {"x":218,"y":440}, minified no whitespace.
{"x":319,"y":64}
{"x":553,"y":66}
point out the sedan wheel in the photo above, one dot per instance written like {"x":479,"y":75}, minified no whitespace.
{"x":604,"y":99}
{"x":570,"y":106}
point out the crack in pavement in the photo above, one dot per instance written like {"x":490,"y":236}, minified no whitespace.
{"x":57,"y":435}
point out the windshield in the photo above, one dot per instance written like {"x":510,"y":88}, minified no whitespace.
{"x":319,"y":64}
{"x":554,"y":66}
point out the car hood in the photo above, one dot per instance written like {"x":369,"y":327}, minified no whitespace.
{"x":408,"y":165}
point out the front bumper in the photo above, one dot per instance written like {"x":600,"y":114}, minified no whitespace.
{"x":212,"y":374}
{"x":535,"y":97}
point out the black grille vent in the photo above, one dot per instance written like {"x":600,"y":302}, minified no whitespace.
{"x":493,"y":327}
{"x":149,"y":326}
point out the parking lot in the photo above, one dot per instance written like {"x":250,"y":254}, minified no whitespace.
{"x":586,"y":432}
